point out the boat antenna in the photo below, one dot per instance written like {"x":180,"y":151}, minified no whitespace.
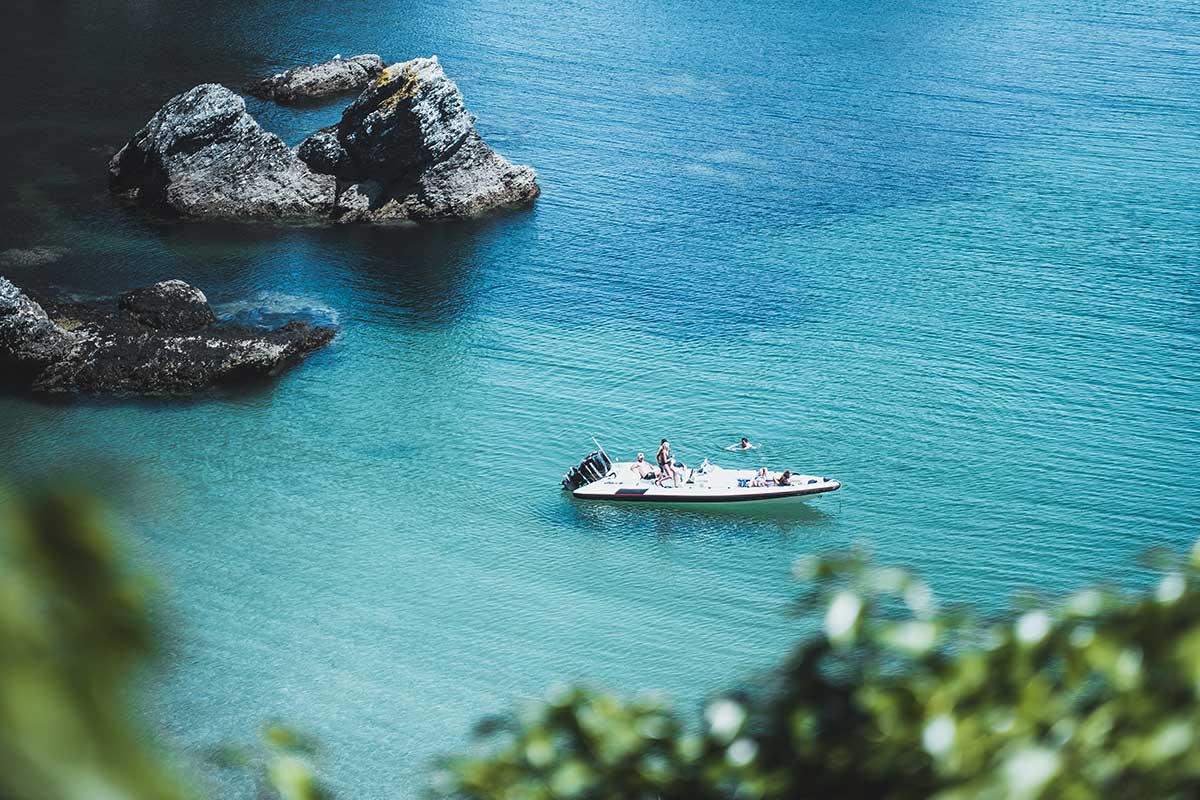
{"x":600,"y":447}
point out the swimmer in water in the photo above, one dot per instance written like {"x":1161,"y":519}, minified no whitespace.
{"x":744,"y":444}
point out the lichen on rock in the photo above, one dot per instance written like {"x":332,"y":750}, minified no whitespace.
{"x":410,"y":132}
{"x":408,"y":89}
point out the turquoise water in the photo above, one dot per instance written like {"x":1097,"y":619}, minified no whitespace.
{"x":948,"y":255}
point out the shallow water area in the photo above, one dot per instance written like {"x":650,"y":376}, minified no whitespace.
{"x":946,"y":255}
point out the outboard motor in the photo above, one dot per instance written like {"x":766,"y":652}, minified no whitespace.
{"x":592,"y":468}
{"x":573,"y":479}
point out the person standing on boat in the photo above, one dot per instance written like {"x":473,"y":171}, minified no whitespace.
{"x":666,"y":463}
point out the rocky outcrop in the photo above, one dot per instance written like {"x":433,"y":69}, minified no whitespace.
{"x":203,"y":155}
{"x":324,"y":153}
{"x":319,"y":80}
{"x":407,"y":148}
{"x":154,"y":342}
{"x":30,"y":342}
{"x":169,"y":306}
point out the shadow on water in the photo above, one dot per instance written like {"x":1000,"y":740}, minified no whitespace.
{"x":431,"y":273}
{"x":253,"y":390}
{"x":426,"y":274}
{"x":665,"y":521}
{"x":246,"y":390}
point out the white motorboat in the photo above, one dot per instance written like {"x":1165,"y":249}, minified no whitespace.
{"x":598,"y":477}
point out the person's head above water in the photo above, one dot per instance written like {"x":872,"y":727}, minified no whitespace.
{"x":745,"y":442}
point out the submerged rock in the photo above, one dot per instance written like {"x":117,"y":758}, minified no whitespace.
{"x":32,"y":256}
{"x":203,"y":155}
{"x":410,"y":133}
{"x":154,"y":342}
{"x":407,"y":148}
{"x":319,"y":80}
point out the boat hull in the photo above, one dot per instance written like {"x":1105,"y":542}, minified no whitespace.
{"x":726,"y":487}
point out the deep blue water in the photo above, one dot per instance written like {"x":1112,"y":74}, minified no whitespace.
{"x":947,"y":253}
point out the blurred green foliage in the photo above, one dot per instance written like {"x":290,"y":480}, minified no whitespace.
{"x":281,"y":764}
{"x":74,"y":629}
{"x":894,"y":698}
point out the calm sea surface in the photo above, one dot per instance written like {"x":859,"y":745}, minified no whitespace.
{"x":948,"y":253}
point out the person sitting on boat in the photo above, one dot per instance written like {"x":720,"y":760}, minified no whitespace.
{"x":666,"y":464}
{"x":762,"y":478}
{"x":643,"y":469}
{"x":785,"y":479}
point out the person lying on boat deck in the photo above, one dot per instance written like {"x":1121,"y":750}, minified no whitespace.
{"x":666,"y":464}
{"x":785,"y":479}
{"x":643,"y":469}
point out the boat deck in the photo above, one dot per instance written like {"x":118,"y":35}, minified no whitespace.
{"x":712,"y":485}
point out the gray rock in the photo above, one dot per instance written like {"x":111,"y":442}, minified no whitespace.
{"x":99,"y":348}
{"x":169,"y":306}
{"x":358,"y":201}
{"x":324,"y":153}
{"x":413,"y":116}
{"x":319,"y":80}
{"x":411,"y":132}
{"x":202,"y":155}
{"x":407,"y":148}
{"x":29,"y":340}
{"x":32,"y":256}
{"x":471,"y":181}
